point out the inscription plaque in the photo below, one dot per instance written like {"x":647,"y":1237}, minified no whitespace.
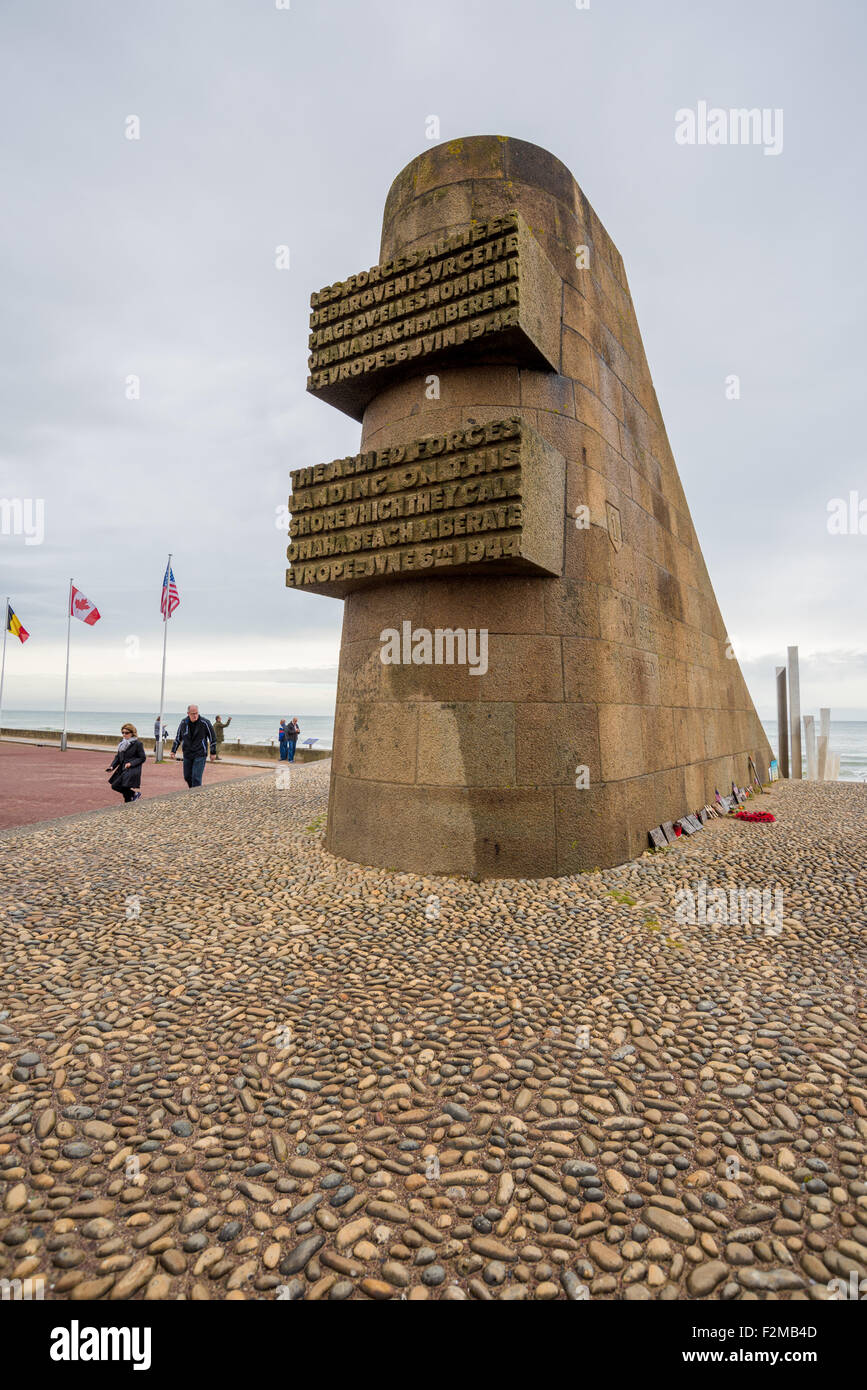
{"x":487,"y":498}
{"x":488,"y":291}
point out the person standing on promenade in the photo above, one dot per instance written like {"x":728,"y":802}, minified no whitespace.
{"x":195,"y":734}
{"x":219,"y":726}
{"x":281,"y":739}
{"x":293,"y":733}
{"x":127,"y":764}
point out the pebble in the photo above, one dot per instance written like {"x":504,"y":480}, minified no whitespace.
{"x":134,"y":1278}
{"x":669,"y":1224}
{"x":705,"y":1278}
{"x":306,"y":1086}
{"x":301,"y":1255}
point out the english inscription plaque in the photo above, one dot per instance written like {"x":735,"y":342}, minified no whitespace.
{"x":489,"y":498}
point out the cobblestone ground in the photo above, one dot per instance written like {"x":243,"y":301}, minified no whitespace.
{"x":234,"y":1067}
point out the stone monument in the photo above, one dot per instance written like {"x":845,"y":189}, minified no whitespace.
{"x":533,"y":670}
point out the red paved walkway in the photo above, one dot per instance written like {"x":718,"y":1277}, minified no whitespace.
{"x":42,"y":783}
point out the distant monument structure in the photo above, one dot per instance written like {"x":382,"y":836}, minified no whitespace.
{"x":534,"y":669}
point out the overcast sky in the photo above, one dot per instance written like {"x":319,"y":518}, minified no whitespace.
{"x":262,"y":127}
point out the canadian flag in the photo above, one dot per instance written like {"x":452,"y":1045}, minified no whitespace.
{"x":82,"y":608}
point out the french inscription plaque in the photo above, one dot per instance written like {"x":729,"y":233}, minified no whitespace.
{"x":489,"y":498}
{"x":487,"y":291}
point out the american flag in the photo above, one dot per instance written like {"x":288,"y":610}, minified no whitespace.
{"x":170,"y":597}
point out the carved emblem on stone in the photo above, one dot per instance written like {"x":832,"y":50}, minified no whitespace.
{"x":614,"y":531}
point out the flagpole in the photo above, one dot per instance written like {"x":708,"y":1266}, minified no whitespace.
{"x":66,"y":685}
{"x":158,"y":752}
{"x":3,"y":663}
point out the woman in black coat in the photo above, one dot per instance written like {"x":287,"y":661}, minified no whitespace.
{"x":128,"y":762}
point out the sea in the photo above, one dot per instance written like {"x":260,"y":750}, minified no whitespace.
{"x":249,"y":728}
{"x":848,"y":737}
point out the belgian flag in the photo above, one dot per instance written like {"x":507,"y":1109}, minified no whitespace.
{"x":14,"y":625}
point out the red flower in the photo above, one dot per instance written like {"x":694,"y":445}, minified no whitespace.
{"x":763,"y":816}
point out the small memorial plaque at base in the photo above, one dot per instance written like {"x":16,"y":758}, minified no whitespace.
{"x":668,"y":832}
{"x":657,"y":838}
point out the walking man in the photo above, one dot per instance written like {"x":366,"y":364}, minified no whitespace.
{"x":219,"y":726}
{"x":293,"y":732}
{"x":195,"y":735}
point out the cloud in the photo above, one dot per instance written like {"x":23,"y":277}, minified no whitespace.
{"x":260,"y":127}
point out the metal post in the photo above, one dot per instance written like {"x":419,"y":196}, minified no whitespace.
{"x":824,"y":735}
{"x":810,"y":746}
{"x":3,"y":666}
{"x":782,"y":722}
{"x":795,"y":712}
{"x":66,"y":685}
{"x":158,"y":747}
